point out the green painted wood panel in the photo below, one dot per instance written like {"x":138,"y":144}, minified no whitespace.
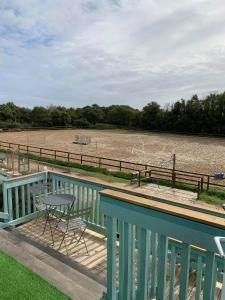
{"x":209,"y":277}
{"x":185,"y":265}
{"x":17,"y":202}
{"x":172,"y":272}
{"x":111,"y":258}
{"x":143,"y":236}
{"x":162,"y":260}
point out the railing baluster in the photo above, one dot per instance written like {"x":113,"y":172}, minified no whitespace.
{"x":93,"y":206}
{"x":111,"y":258}
{"x":198,"y":278}
{"x":153,"y":273}
{"x":53,"y":186}
{"x":214,"y":280}
{"x":78,"y":197}
{"x":172,"y":272}
{"x":162,"y":259}
{"x":121,"y":261}
{"x":61,"y":187}
{"x":57,"y":186}
{"x":23,"y":200}
{"x":128,"y":261}
{"x":17,"y":202}
{"x":97,"y":207}
{"x":88,"y":202}
{"x":10,"y":206}
{"x":185,"y":264}
{"x":66,"y":187}
{"x":5,"y":199}
{"x":209,"y":278}
{"x":143,"y":263}
{"x":28,"y":199}
{"x":84,"y":200}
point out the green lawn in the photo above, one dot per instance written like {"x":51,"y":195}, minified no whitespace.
{"x":19,"y":283}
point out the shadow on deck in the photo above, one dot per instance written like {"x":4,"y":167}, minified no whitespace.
{"x":94,"y":265}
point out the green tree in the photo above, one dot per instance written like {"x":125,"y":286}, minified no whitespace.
{"x":152,"y":115}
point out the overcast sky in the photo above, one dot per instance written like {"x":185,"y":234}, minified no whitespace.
{"x":80,"y":52}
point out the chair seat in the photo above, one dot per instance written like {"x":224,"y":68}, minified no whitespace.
{"x":72,"y":224}
{"x":40,"y":206}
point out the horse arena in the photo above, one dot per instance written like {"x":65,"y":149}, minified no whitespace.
{"x":193,"y":153}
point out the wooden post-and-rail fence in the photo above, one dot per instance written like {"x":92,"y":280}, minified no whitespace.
{"x":200,"y":180}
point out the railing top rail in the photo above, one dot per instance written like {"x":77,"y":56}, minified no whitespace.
{"x":24,"y":177}
{"x":139,"y":193}
{"x":167,"y":208}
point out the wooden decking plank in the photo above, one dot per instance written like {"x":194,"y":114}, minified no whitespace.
{"x":96,"y":262}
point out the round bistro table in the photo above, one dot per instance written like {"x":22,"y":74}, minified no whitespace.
{"x":52,"y":202}
{"x":59,"y":199}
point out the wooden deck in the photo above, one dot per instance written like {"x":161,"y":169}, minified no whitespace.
{"x":95,"y":262}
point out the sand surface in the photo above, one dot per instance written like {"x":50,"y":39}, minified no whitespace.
{"x":193,"y":153}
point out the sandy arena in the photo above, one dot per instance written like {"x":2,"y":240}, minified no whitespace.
{"x":199,"y":154}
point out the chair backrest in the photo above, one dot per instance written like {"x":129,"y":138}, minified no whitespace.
{"x":80,"y":213}
{"x":38,"y":189}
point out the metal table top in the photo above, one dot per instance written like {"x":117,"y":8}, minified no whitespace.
{"x":59,"y":199}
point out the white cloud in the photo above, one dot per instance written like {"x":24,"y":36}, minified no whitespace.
{"x":110,"y":51}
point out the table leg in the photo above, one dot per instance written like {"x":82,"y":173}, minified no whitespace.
{"x":48,"y":220}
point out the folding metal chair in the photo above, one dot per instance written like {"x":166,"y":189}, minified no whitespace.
{"x":75,"y":224}
{"x":39,"y":192}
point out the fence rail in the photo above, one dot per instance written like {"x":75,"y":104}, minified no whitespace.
{"x":157,"y":172}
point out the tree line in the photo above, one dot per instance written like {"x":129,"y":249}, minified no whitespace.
{"x":204,"y":116}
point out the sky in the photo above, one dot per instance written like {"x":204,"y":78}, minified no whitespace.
{"x":80,"y":52}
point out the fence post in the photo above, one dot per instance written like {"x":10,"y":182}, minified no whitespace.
{"x":81,"y":159}
{"x":198,"y":192}
{"x":173,"y":172}
{"x":120,"y":165}
{"x":173,"y":179}
{"x":202,"y":182}
{"x":99,"y":162}
{"x":40,"y":151}
{"x":55,"y":154}
{"x":27,"y":149}
{"x":208,"y":182}
{"x":139,"y":178}
{"x":68,"y":157}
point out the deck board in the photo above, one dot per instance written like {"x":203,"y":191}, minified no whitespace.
{"x":96,"y":261}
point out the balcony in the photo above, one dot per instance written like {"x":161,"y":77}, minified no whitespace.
{"x":154,"y":249}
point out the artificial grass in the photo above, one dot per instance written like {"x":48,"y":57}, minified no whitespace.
{"x":19,"y":283}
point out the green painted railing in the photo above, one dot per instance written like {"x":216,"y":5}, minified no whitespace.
{"x":142,"y":243}
{"x":17,"y":201}
{"x":142,"y":260}
{"x":86,"y":193}
{"x":19,"y":206}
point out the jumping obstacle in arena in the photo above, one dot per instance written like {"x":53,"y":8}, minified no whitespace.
{"x":82,"y":140}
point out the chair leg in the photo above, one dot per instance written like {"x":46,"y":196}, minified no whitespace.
{"x":63,"y":240}
{"x":81,"y":237}
{"x":85,"y":245}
